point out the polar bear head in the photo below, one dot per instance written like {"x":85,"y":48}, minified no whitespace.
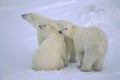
{"x":34,"y":19}
{"x":47,"y":29}
{"x":68,"y":30}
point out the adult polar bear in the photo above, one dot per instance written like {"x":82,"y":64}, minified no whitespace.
{"x":47,"y":57}
{"x":90,"y":44}
{"x":36,"y":20}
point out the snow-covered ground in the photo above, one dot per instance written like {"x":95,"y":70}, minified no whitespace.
{"x":18,"y":38}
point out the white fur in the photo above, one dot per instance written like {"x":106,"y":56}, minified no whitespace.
{"x":51,"y":54}
{"x":36,"y":20}
{"x":90,"y":44}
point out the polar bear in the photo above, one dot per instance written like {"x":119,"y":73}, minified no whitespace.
{"x":90,"y":45}
{"x":36,"y":20}
{"x":51,"y":54}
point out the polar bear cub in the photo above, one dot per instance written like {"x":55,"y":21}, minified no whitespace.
{"x":90,"y":44}
{"x":36,"y":19}
{"x":51,"y":54}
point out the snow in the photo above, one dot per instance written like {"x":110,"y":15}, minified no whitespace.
{"x":18,"y":38}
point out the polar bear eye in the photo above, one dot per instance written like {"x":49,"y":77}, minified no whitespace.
{"x":42,"y":26}
{"x":66,"y":28}
{"x":33,"y":18}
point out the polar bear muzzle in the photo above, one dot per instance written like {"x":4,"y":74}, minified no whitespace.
{"x":24,"y":16}
{"x":62,"y":30}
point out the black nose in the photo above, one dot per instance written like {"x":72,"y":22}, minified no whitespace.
{"x":40,"y":26}
{"x":60,"y":32}
{"x":23,"y":16}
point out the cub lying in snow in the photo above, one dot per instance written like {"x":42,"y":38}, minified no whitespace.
{"x":51,"y":54}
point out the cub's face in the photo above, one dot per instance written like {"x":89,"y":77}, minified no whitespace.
{"x":32,"y":18}
{"x":47,"y":29}
{"x":67,"y":31}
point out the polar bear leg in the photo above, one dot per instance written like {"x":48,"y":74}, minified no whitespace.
{"x":90,"y":57}
{"x":73,"y":57}
{"x":65,"y":59}
{"x":70,"y":50}
{"x":98,"y":66}
{"x":65,"y":62}
{"x":80,"y":57}
{"x":88,"y":62}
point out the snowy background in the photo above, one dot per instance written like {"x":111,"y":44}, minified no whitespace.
{"x":18,"y":38}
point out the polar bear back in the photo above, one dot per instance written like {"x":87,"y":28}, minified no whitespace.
{"x":89,"y":35}
{"x":97,"y":36}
